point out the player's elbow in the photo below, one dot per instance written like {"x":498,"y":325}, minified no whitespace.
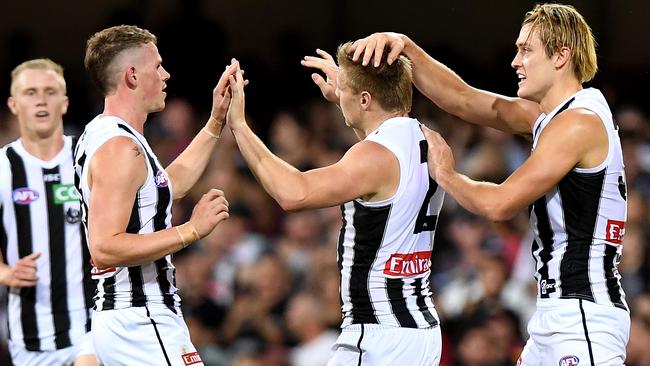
{"x":101,"y":259}
{"x":500,"y":212}
{"x":292,"y":203}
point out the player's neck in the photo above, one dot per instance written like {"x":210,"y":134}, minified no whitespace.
{"x":45,"y":148}
{"x":124,"y":108}
{"x":558,"y":93}
{"x":375,"y":120}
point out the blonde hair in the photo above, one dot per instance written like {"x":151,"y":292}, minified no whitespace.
{"x":37,"y":64}
{"x":390,"y":85}
{"x":104,"y":46}
{"x":562,"y":26}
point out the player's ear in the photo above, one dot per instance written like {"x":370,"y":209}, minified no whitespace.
{"x":365,"y":98}
{"x":64,"y":106}
{"x":562,"y":56}
{"x":130,"y":77}
{"x":11,"y":103}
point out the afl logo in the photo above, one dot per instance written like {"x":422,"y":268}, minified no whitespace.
{"x":24,"y":196}
{"x":569,"y":361}
{"x":161,"y":179}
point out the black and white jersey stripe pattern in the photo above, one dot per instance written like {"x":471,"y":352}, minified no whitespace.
{"x":580,"y":222}
{"x":39,"y":212}
{"x":384,"y":250}
{"x":149,"y":284}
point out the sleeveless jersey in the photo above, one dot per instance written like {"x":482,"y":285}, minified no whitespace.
{"x":148,"y":284}
{"x":384,"y":249}
{"x":579,"y":224}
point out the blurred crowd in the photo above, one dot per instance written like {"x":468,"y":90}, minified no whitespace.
{"x":262,"y":289}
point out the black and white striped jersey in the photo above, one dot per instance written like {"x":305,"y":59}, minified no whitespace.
{"x":384,"y":249}
{"x":39,"y":212}
{"x":148,"y":284}
{"x":579,"y":224}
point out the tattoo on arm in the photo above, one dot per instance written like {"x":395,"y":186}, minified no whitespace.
{"x":137,"y":150}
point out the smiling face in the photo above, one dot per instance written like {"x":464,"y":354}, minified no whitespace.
{"x":534,"y":68}
{"x":38,"y":100}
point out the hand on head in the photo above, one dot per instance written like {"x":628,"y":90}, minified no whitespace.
{"x":374,"y":45}
{"x":327,"y":65}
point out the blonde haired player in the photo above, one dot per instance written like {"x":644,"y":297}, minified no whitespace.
{"x":573,"y":181}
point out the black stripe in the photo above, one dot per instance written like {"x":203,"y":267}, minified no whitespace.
{"x":580,"y":194}
{"x":25,"y":247}
{"x":109,"y":293}
{"x":162,"y":346}
{"x":584,"y":326}
{"x":422,"y":305}
{"x":58,"y":274}
{"x":339,"y":256}
{"x":614,"y":290}
{"x":394,"y":289}
{"x":562,"y":109}
{"x":424,"y":150}
{"x":162,"y":267}
{"x":546,"y":237}
{"x":138,"y":298}
{"x":3,"y":235}
{"x":359,"y":344}
{"x":370,"y":225}
{"x":90,"y":285}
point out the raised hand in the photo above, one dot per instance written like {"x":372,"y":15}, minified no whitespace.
{"x":23,"y":273}
{"x":327,"y":65}
{"x":375,"y":44}
{"x":211,"y":209}
{"x":221,"y":99}
{"x":236,"y":115}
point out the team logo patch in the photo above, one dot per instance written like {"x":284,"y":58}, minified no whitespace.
{"x":65,"y":193}
{"x":408,"y":264}
{"x":615,"y":231}
{"x":72,"y":216}
{"x":24,"y":196}
{"x":569,"y":361}
{"x":161,"y":179}
{"x":191,"y":358}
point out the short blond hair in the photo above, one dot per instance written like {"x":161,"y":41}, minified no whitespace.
{"x":37,"y":64}
{"x":390,"y":85}
{"x":560,"y":26}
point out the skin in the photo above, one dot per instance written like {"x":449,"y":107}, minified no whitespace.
{"x":140,"y":91}
{"x":354,"y":176}
{"x":575,"y":139}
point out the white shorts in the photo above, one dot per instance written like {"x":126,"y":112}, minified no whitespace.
{"x":571,"y":332}
{"x":62,"y":357}
{"x":376,"y":345}
{"x":141,"y":336}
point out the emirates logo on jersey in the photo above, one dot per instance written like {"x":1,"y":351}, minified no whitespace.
{"x":161,"y":179}
{"x":24,"y":196}
{"x":615,"y":231}
{"x":402,"y":265}
{"x":191,"y":358}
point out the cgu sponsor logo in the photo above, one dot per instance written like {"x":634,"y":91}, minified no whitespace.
{"x":24,"y":196}
{"x":65,"y":193}
{"x":408,"y":264}
{"x":615,"y":231}
{"x":161,"y":179}
{"x":569,"y":361}
{"x":191,"y":358}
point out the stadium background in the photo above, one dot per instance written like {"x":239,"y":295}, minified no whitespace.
{"x":265,"y":283}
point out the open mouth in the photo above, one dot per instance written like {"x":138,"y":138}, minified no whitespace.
{"x":42,"y":114}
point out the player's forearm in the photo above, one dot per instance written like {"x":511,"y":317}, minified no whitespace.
{"x":481,"y":198}
{"x":435,"y":80}
{"x":125,"y":250}
{"x":281,"y":181}
{"x":5,"y":274}
{"x":188,"y":167}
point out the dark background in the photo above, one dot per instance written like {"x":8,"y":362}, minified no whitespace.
{"x":197,"y":38}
